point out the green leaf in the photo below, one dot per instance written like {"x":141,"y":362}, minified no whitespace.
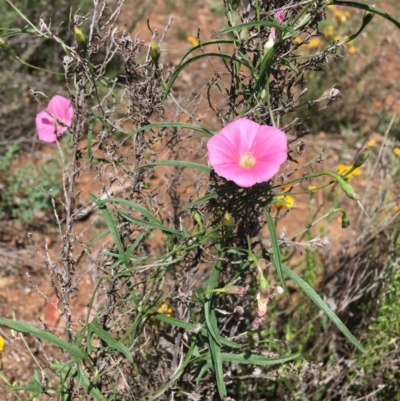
{"x":323,"y":306}
{"x":174,"y":321}
{"x":248,"y":25}
{"x":150,"y":224}
{"x":276,"y":256}
{"x":109,"y":340}
{"x":112,"y":225}
{"x":217,"y":366}
{"x":153,"y":221}
{"x":172,"y":124}
{"x":181,"y":67}
{"x":251,"y":359}
{"x":178,"y":163}
{"x":45,"y":336}
{"x":34,"y":386}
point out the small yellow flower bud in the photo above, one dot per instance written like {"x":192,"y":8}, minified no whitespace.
{"x":80,"y":38}
{"x":154,"y":52}
{"x":228,"y":220}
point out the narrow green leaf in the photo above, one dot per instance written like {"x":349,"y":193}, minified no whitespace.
{"x":45,"y":336}
{"x":181,"y":67}
{"x":203,"y":370}
{"x":178,"y":163}
{"x":323,"y":306}
{"x":248,"y":25}
{"x":112,"y":225}
{"x":175,"y":322}
{"x":109,"y":340}
{"x":34,"y":386}
{"x":215,"y":351}
{"x":276,"y":257}
{"x":251,"y":359}
{"x":150,"y":224}
{"x":172,"y":124}
{"x":94,"y":391}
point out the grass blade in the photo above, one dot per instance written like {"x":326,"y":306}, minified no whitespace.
{"x":276,"y":257}
{"x":323,"y":306}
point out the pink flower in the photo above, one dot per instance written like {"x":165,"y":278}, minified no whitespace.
{"x":59,"y":110}
{"x":247,"y":153}
{"x":280,"y":16}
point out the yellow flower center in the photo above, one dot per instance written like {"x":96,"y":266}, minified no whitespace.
{"x":247,"y":160}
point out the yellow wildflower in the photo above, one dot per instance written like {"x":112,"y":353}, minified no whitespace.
{"x":285,"y":201}
{"x":336,"y":38}
{"x":396,"y":208}
{"x":371,"y":143}
{"x":312,"y":188}
{"x":341,"y":16}
{"x":285,"y":187}
{"x":165,"y":309}
{"x":352,"y":49}
{"x":396,"y":151}
{"x":313,"y":43}
{"x":193,"y":41}
{"x":342,"y":168}
{"x":298,"y":40}
{"x":1,"y":344}
{"x":330,"y":30}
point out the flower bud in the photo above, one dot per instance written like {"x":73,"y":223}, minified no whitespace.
{"x":154,"y":52}
{"x":228,"y":220}
{"x":3,"y":44}
{"x":348,"y":189}
{"x":198,"y":220}
{"x":80,"y":38}
{"x":367,"y":18}
{"x":345,"y":220}
{"x":235,"y":289}
{"x":361,"y":157}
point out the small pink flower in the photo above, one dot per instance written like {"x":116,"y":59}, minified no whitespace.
{"x":280,"y":16}
{"x":247,"y":153}
{"x":59,"y":109}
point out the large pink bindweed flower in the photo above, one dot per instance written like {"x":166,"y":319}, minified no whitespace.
{"x":59,"y":109}
{"x":247,"y":153}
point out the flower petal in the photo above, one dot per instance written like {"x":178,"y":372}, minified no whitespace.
{"x":61,"y":109}
{"x":47,"y":131}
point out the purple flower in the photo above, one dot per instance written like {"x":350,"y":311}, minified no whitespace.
{"x":247,"y":153}
{"x":53,"y":122}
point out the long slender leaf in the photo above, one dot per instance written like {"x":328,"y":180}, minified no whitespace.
{"x":276,"y":257}
{"x":323,"y":306}
{"x":109,"y":340}
{"x":45,"y":336}
{"x":172,"y":124}
{"x":217,"y":366}
{"x":150,"y":224}
{"x":112,"y":225}
{"x":251,"y":359}
{"x":199,"y":57}
{"x":249,"y":25}
{"x":179,"y":163}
